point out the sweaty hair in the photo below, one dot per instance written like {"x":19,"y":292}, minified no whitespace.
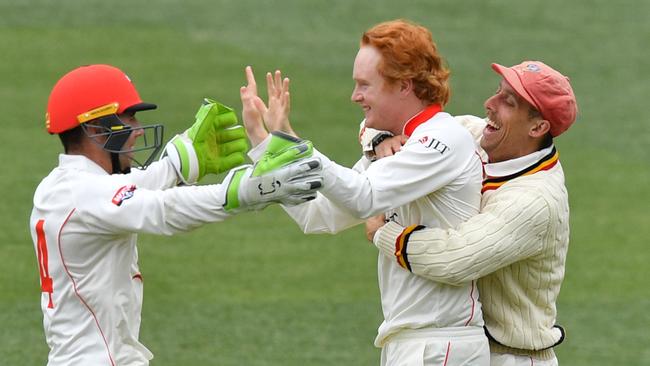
{"x":409,"y":53}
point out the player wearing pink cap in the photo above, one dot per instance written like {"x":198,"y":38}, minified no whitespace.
{"x":516,"y":246}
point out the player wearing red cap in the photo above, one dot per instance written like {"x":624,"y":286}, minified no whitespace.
{"x":516,"y":246}
{"x":88,"y":210}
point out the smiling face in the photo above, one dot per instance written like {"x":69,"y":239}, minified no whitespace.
{"x":379,"y":99}
{"x":512,"y":129}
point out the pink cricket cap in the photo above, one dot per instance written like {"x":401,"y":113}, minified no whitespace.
{"x":545,"y":89}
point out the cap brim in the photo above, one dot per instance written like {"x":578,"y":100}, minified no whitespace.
{"x":512,"y":78}
{"x":140,"y":107}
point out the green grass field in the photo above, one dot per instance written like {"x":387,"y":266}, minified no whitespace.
{"x":254,"y":290}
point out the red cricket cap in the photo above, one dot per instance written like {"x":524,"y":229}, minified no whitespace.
{"x":90,"y":92}
{"x":545,"y":89}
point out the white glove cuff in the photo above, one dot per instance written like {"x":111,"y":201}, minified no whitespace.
{"x":255,"y":154}
{"x":183,"y":157}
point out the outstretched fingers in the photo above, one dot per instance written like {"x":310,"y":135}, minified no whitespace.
{"x":277,"y":116}
{"x":250,"y":80}
{"x":286,"y":101}
{"x":251,"y":113}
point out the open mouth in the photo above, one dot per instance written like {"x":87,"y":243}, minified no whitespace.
{"x":491,"y":126}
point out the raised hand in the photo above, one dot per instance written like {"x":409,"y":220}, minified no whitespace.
{"x":276,"y":116}
{"x":287,"y":174}
{"x":389,"y":146}
{"x":252,"y":109}
{"x":215,"y":143}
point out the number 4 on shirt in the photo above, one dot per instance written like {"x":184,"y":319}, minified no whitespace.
{"x":41,"y":248}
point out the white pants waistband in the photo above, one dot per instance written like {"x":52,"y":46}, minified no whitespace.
{"x":430,"y":333}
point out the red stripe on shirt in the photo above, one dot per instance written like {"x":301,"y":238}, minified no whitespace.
{"x":76,"y":291}
{"x":447,"y":354}
{"x":471,"y":296}
{"x":43,"y":262}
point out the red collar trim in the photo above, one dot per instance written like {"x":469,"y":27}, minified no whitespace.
{"x":420,"y":118}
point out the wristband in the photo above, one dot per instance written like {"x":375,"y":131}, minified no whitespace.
{"x":380,"y":138}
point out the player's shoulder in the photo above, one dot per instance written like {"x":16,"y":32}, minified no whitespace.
{"x":469,"y":121}
{"x":100,"y":185}
{"x":51,"y":188}
{"x":444,"y":128}
{"x":473,"y":124}
{"x":90,"y":189}
{"x":546,"y":185}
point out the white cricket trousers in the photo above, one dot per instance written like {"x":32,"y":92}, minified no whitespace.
{"x":467,"y":346}
{"x":501,"y":359}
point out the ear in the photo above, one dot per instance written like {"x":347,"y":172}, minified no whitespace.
{"x":405,"y":87}
{"x":539,"y":128}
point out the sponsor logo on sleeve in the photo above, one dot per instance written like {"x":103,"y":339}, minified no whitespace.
{"x":122,"y":194}
{"x":432,"y":143}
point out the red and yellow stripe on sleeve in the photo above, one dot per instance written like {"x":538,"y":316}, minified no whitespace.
{"x":401,"y":245}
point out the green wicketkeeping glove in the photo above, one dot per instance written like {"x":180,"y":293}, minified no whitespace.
{"x":214,"y":144}
{"x":282,"y":150}
{"x":287,"y":173}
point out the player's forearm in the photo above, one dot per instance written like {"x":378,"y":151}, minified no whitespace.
{"x":489,"y":241}
{"x":187,"y":208}
{"x":166,"y":212}
{"x":159,"y":175}
{"x":353,"y":191}
{"x":321,"y":216}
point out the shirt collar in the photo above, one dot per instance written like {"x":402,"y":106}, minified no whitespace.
{"x":421,"y":117}
{"x":80,"y":162}
{"x":513,"y":166}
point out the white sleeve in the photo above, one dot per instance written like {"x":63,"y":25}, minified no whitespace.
{"x":159,"y":175}
{"x":366,"y":136}
{"x":430,"y":159}
{"x":506,"y":231}
{"x":320,"y":215}
{"x":115,"y":205}
{"x":323,"y":215}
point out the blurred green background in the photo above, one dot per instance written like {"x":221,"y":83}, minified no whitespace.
{"x":254,"y":290}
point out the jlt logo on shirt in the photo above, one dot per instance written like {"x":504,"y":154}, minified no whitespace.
{"x":432,"y":143}
{"x":123,"y":194}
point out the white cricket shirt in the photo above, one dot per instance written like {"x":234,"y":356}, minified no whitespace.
{"x":84,"y":225}
{"x":435,"y":180}
{"x":516,"y":248}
